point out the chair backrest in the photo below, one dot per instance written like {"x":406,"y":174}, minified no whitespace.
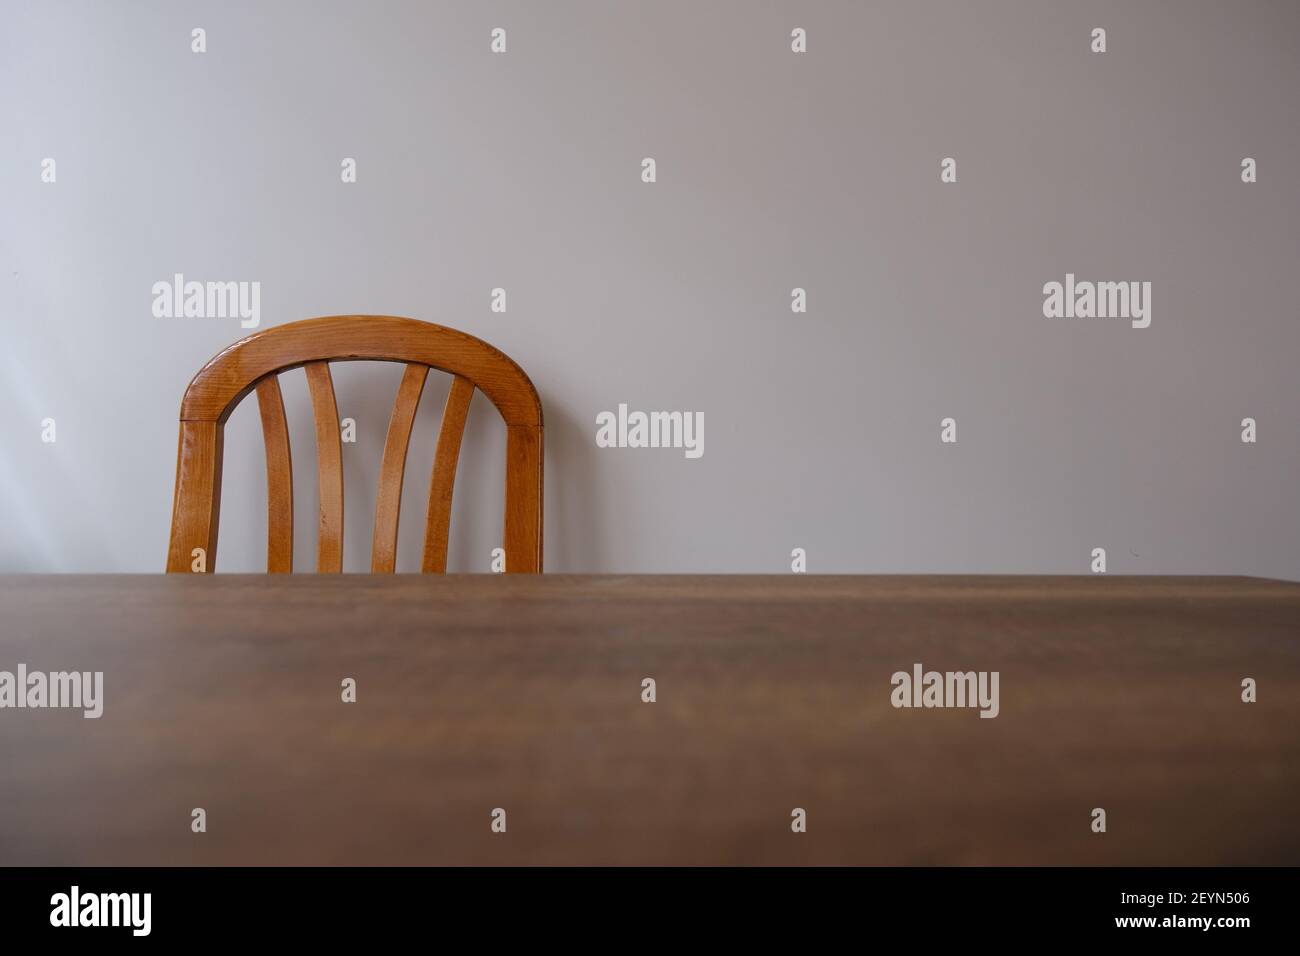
{"x":255,"y":362}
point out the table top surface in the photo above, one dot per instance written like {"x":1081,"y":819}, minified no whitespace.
{"x":525,"y":693}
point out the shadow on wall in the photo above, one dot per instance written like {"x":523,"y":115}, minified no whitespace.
{"x":573,"y":543}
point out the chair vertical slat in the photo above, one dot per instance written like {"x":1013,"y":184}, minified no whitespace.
{"x":196,"y":505}
{"x":442,"y":480}
{"x":392,"y":470}
{"x":329,"y":468}
{"x":523,"y":524}
{"x":279,"y":477}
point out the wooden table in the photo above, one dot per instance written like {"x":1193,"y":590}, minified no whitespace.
{"x":773,"y":693}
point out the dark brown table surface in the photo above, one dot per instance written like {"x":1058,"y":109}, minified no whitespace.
{"x":478,"y":692}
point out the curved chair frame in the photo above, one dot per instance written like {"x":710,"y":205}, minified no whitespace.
{"x":253,"y":364}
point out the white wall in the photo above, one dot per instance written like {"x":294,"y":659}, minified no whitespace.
{"x":775,"y":170}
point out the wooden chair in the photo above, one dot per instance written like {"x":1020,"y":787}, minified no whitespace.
{"x":256,"y":361}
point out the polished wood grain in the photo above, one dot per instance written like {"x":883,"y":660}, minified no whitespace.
{"x":329,"y":468}
{"x":279,"y":477}
{"x":254,"y":364}
{"x":442,"y":480}
{"x":478,"y":692}
{"x":340,"y":338}
{"x":392,"y":469}
{"x":196,"y":503}
{"x":523,"y":484}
